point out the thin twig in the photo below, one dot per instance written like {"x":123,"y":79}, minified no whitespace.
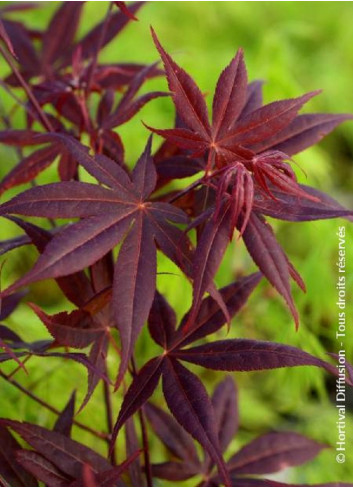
{"x":185,"y":191}
{"x":94,"y":61}
{"x":146,"y":449}
{"x":102,"y":436}
{"x":109,"y":416}
{"x":43,"y":118}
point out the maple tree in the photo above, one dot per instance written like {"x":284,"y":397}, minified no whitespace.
{"x":241,"y":162}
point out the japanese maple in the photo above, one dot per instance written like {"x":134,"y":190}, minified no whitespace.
{"x":241,"y":160}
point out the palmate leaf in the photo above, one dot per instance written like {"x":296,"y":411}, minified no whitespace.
{"x":41,"y":468}
{"x":110,"y":216}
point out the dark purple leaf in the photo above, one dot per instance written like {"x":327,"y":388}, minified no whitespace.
{"x":41,"y":468}
{"x":304,"y":131}
{"x":174,"y":471}
{"x":189,"y":403}
{"x":100,"y":167}
{"x":273,"y":452}
{"x":253,"y":98}
{"x":111,"y":477}
{"x":9,"y":304}
{"x":115,"y":25}
{"x":29,"y":167}
{"x":210,"y":316}
{"x":292,"y":208}
{"x":208,"y":255}
{"x":248,"y":355}
{"x":67,"y":455}
{"x":161,"y":321}
{"x":76,"y":247}
{"x":122,"y":6}
{"x":65,"y":200}
{"x":11,"y":471}
{"x":141,"y":389}
{"x":60,"y":33}
{"x":132,"y":447}
{"x":172,"y":435}
{"x":229,"y":96}
{"x":267,"y":120}
{"x":6,"y":40}
{"x":270,"y":258}
{"x":188,"y":99}
{"x":97,"y":357}
{"x":134,"y":286}
{"x":144,"y":176}
{"x":76,"y":329}
{"x":64,"y":422}
{"x":225,"y":405}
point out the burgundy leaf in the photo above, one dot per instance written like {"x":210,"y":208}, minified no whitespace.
{"x":132,"y":447}
{"x":115,"y":25}
{"x":97,"y":357}
{"x":76,"y":287}
{"x":172,"y":435}
{"x":29,"y":167}
{"x":78,"y":246}
{"x":64,"y":422}
{"x":60,"y":33}
{"x":41,"y":468}
{"x":65,"y":200}
{"x":141,"y":389}
{"x":189,"y":403}
{"x":12,"y":472}
{"x":208,"y":255}
{"x":174,"y":471}
{"x":9,"y":304}
{"x":67,"y":455}
{"x":111,"y":477}
{"x":211,"y":317}
{"x":13,"y":243}
{"x":229,"y":96}
{"x":188,"y":99}
{"x":248,"y":355}
{"x":7,"y":335}
{"x":22,"y":46}
{"x":144,"y":176}
{"x":291,"y":208}
{"x":253,"y":98}
{"x":267,"y":120}
{"x":20,"y":137}
{"x":161,"y":321}
{"x":225,"y":405}
{"x":5,"y":38}
{"x":100,"y":167}
{"x":75,"y":329}
{"x":273,"y":452}
{"x":134,"y":286}
{"x":270,"y":258}
{"x":304,"y":131}
{"x":125,"y":10}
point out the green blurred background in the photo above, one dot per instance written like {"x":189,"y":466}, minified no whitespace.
{"x":295,"y":47}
